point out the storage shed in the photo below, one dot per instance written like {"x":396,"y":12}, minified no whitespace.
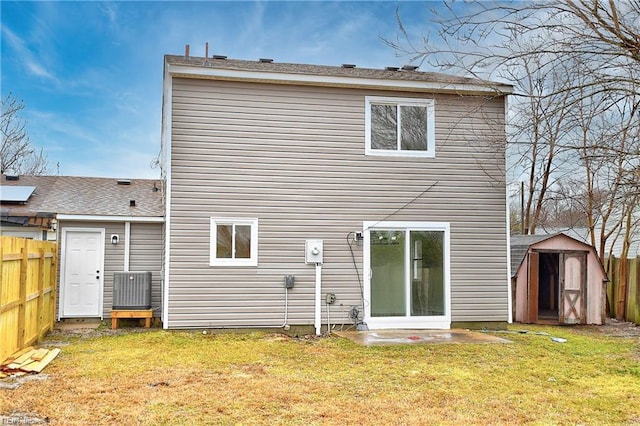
{"x":557,"y":279}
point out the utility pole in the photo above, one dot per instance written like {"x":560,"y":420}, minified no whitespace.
{"x":522,"y":208}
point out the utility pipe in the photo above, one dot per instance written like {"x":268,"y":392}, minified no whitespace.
{"x":318,"y":316}
{"x":328,"y":318}
{"x":286,"y":307}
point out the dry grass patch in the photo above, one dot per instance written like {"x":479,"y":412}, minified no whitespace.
{"x":161,"y":377}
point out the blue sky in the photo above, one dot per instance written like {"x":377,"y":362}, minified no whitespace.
{"x":90,"y":73}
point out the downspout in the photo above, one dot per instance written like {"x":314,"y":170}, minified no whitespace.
{"x":165,"y":162}
{"x":127,"y":246}
{"x":508,"y":226}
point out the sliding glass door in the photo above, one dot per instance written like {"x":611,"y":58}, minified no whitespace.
{"x":408,"y":275}
{"x":388,"y":281}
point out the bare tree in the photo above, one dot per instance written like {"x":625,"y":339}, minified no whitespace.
{"x":17,"y":155}
{"x":535,"y":144}
{"x":575,"y":66}
{"x":478,"y":40}
{"x":600,"y":143}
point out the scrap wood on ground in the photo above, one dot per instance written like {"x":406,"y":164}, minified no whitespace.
{"x":27,"y":361}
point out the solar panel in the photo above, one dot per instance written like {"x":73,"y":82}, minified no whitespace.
{"x":16,"y":194}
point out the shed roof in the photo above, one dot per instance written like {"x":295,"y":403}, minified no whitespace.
{"x":80,"y":195}
{"x":392,"y":73}
{"x":520,"y":245}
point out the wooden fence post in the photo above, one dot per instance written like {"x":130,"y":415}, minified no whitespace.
{"x":53,"y":276}
{"x":22,"y":311}
{"x":41,"y":276}
{"x":2,"y":283}
{"x":622,"y":289}
{"x":632,"y":312}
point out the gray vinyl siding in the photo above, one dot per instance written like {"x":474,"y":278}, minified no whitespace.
{"x":145,"y":254}
{"x":293,"y":157}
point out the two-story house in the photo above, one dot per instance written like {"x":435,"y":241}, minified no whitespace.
{"x":315,"y":195}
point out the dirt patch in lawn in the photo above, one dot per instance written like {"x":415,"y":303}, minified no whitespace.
{"x":617,"y":329}
{"x":613,"y":328}
{"x":91,"y":330}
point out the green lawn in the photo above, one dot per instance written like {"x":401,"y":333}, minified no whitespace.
{"x":160,"y":377}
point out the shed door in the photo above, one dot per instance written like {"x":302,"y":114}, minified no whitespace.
{"x":573,"y":278}
{"x":532,"y":296}
{"x":82,"y":274}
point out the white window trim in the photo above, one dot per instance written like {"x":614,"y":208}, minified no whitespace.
{"x":252,"y":261}
{"x":431,"y":134}
{"x":408,"y":322}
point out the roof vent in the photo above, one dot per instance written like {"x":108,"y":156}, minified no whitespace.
{"x":124,"y":182}
{"x":221,"y":57}
{"x":392,"y":68}
{"x":132,"y":203}
{"x":12,"y":177}
{"x":348,"y":66}
{"x":206,"y":53}
{"x":410,"y":67}
{"x":266,"y":60}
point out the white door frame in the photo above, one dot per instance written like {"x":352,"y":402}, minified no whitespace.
{"x":422,"y":322}
{"x":63,"y":267}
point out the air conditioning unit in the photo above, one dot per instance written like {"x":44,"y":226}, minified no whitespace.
{"x":132,"y":290}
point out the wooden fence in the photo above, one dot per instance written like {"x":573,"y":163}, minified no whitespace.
{"x":28,"y":281}
{"x":623,"y":294}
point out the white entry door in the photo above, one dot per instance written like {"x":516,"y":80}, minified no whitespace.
{"x":82,"y":275}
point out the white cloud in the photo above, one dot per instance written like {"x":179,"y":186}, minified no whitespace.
{"x":109,"y":9}
{"x":38,"y":70}
{"x":122,"y":163}
{"x":25,"y":55}
{"x":121,"y":145}
{"x":58,"y":129}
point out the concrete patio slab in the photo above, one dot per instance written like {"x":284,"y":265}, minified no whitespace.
{"x":413,"y":337}
{"x":78,"y":324}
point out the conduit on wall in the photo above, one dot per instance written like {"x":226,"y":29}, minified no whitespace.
{"x":314,"y":255}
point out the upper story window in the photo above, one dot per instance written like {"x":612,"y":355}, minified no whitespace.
{"x":234,"y":242}
{"x":400,"y":126}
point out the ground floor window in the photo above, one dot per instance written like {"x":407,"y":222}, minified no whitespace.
{"x":408,"y":265}
{"x":234,"y":242}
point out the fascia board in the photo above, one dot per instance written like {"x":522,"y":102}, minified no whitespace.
{"x":101,"y":218}
{"x":323,"y":80}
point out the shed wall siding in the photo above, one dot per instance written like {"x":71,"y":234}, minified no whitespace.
{"x":594,"y":297}
{"x":293,"y":157}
